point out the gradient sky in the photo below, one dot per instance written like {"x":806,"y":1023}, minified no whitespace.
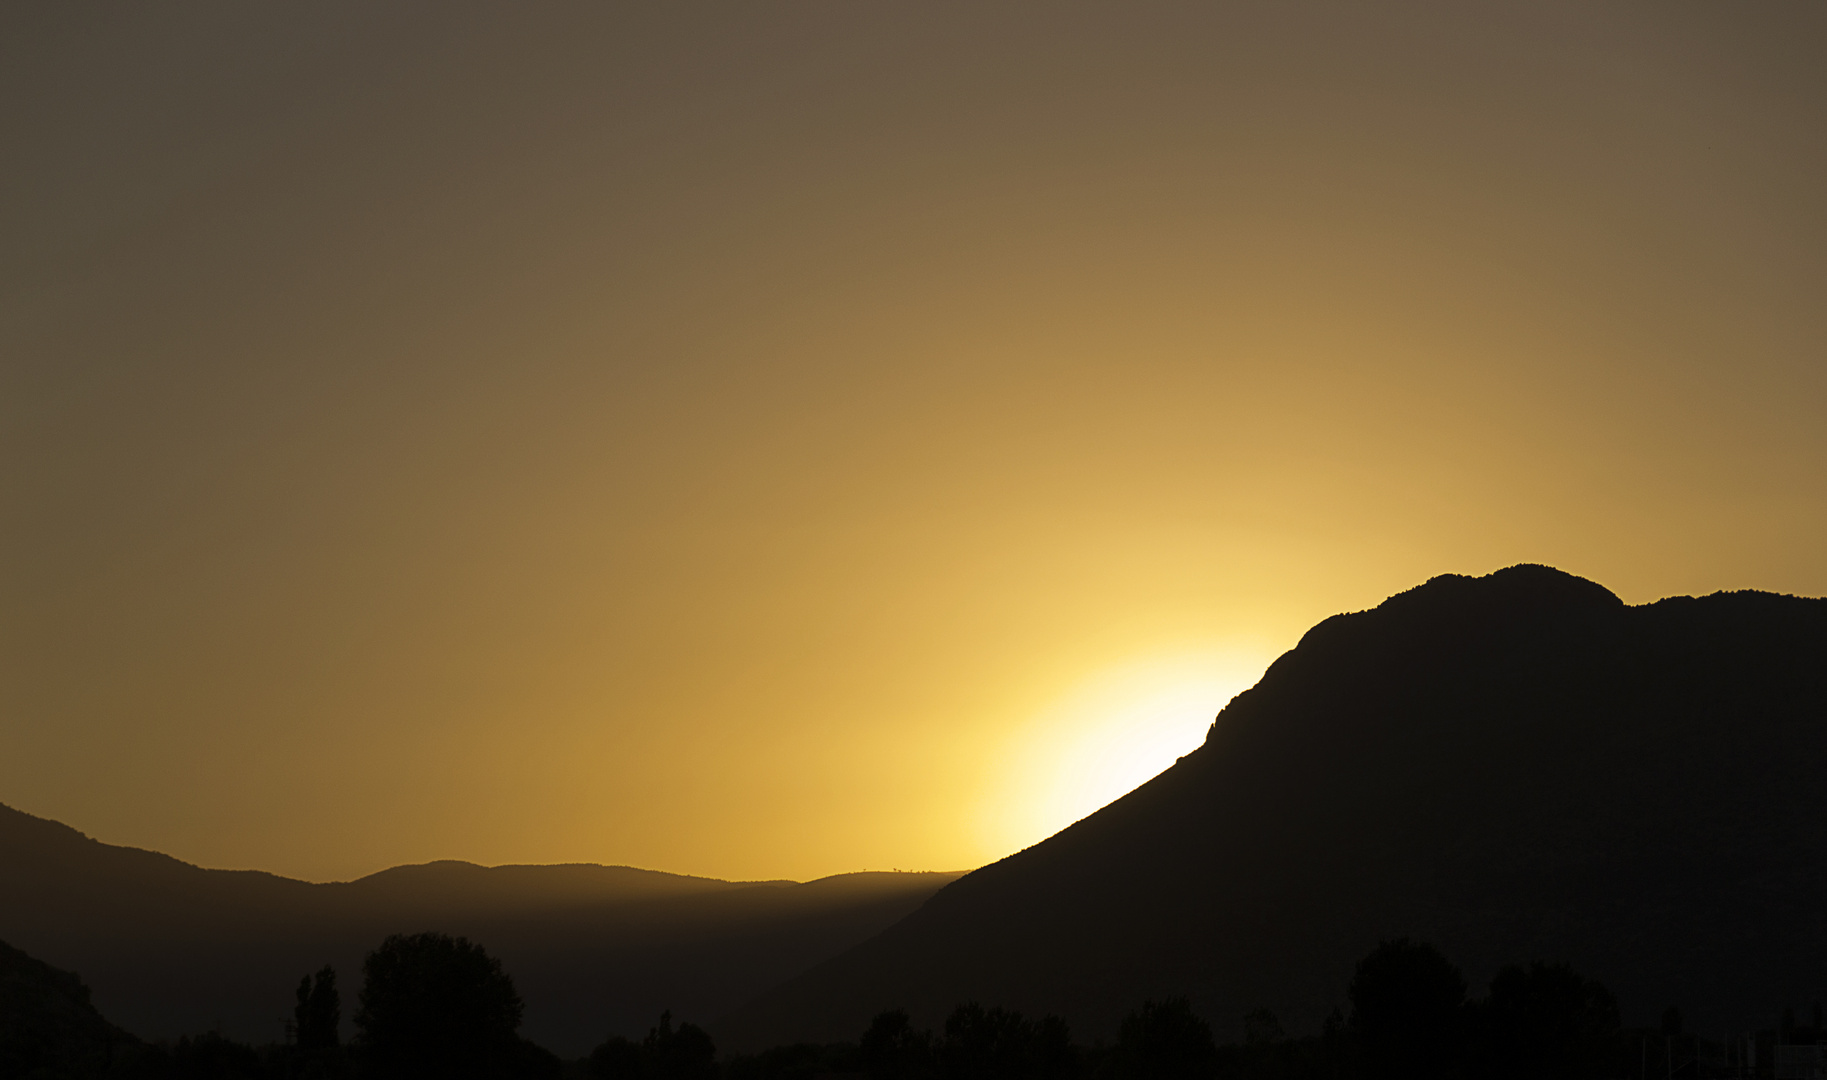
{"x":776,"y":439}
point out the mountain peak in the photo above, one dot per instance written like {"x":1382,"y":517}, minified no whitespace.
{"x":1523,"y":587}
{"x":1515,"y":767}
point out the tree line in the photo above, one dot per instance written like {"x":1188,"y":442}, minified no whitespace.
{"x":436,"y":1006}
{"x":1410,"y":1019}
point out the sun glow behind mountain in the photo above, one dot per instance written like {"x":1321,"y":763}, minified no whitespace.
{"x":798,"y":438}
{"x":1111,"y":734}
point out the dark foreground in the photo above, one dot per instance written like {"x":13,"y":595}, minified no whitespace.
{"x":431,"y":1005}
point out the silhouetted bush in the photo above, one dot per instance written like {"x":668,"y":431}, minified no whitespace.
{"x":1261,"y":1028}
{"x":893,"y":1050}
{"x":1001,"y":1044}
{"x":682,"y":1053}
{"x":667,"y":1053}
{"x":1406,"y":1011}
{"x":1165,"y":1041}
{"x":1410,"y":1019}
{"x":1268,"y":1052}
{"x":1545,"y":1020}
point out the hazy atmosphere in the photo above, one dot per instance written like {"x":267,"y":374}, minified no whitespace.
{"x":772,"y":440}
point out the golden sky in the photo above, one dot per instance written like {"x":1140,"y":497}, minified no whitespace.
{"x":776,"y":439}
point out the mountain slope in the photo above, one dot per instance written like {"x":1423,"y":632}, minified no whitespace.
{"x":1516,"y":766}
{"x":47,"y":1025}
{"x":170,"y":948}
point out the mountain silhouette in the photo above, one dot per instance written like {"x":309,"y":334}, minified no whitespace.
{"x":170,"y":948}
{"x":1514,"y":767}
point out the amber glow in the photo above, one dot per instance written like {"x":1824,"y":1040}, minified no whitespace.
{"x":1107,"y":736}
{"x":804,"y":438}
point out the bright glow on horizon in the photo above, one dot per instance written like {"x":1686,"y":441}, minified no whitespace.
{"x":795,"y":438}
{"x":1110,"y":735}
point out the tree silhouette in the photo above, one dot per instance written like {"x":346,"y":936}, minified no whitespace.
{"x":1546,"y":1021}
{"x":892,"y":1049}
{"x":1261,"y":1028}
{"x":682,"y":1053}
{"x":985,"y":1044}
{"x":1165,"y":1041}
{"x":437,"y":1006}
{"x":1054,"y":1057}
{"x":1002,"y":1044}
{"x":1406,"y":1009}
{"x":667,"y":1053}
{"x":318,"y":1016}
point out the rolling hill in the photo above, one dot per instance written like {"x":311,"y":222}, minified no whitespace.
{"x":1515,"y":767}
{"x":169,"y":948}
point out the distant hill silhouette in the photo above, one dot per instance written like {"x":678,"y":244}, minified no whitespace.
{"x":1515,"y":767}
{"x":170,"y":948}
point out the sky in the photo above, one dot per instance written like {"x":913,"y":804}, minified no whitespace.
{"x":779,"y":439}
